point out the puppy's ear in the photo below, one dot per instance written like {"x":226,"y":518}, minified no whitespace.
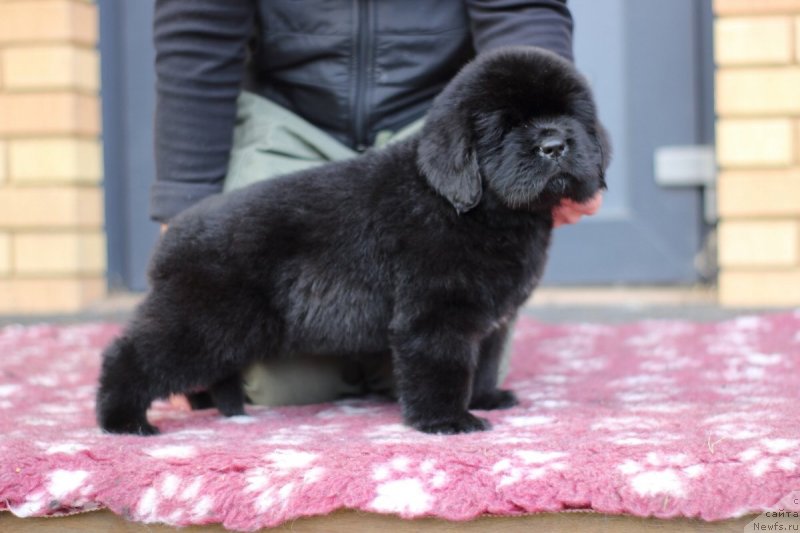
{"x":447,"y":157}
{"x":604,"y":142}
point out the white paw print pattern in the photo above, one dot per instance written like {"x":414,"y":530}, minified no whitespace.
{"x":528,"y":465}
{"x":644,"y":390}
{"x":546,"y":391}
{"x":174,"y":451}
{"x":396,"y":433}
{"x":632,"y":430}
{"x":407,"y":486}
{"x":173,"y":499}
{"x":574,"y":354}
{"x":661,"y":474}
{"x":772,"y":454}
{"x":58,"y":485}
{"x":272,"y":487}
{"x":655,"y":334}
{"x":741,"y":425}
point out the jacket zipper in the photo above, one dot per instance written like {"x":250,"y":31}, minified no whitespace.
{"x":363,"y":67}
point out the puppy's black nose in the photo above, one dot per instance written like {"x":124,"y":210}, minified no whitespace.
{"x":553,"y":147}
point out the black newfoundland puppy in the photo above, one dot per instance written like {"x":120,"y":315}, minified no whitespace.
{"x":425,"y":250}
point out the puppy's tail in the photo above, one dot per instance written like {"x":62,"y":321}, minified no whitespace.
{"x":123,"y":396}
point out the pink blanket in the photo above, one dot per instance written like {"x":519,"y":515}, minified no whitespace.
{"x":651,"y":419}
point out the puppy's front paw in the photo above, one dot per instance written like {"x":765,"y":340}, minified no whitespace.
{"x":496,"y":399}
{"x":115,"y":416}
{"x":463,"y":423}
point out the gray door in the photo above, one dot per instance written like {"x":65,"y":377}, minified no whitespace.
{"x":648,"y":60}
{"x":650,"y":64}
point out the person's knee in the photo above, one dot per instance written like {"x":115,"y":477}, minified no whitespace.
{"x":298,"y":381}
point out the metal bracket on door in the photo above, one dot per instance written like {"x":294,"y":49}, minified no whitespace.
{"x":689,"y":166}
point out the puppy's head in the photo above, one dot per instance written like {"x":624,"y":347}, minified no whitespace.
{"x":519,"y":122}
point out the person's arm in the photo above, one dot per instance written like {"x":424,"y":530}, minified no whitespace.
{"x":543,"y":23}
{"x":570,"y":212}
{"x":200,"y":54}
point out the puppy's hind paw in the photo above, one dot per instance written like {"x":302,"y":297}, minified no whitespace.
{"x":230,"y":410}
{"x":464,"y":423}
{"x":130,"y":426}
{"x":496,"y":399}
{"x":200,"y":400}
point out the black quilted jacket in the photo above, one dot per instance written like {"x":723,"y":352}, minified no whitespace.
{"x":351,"y":67}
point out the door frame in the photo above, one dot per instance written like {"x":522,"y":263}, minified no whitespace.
{"x":128,"y":98}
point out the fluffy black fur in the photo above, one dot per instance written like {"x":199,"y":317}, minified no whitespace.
{"x":423,"y":250}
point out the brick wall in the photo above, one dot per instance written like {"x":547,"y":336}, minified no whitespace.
{"x":52,"y":244}
{"x":757,"y":50}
